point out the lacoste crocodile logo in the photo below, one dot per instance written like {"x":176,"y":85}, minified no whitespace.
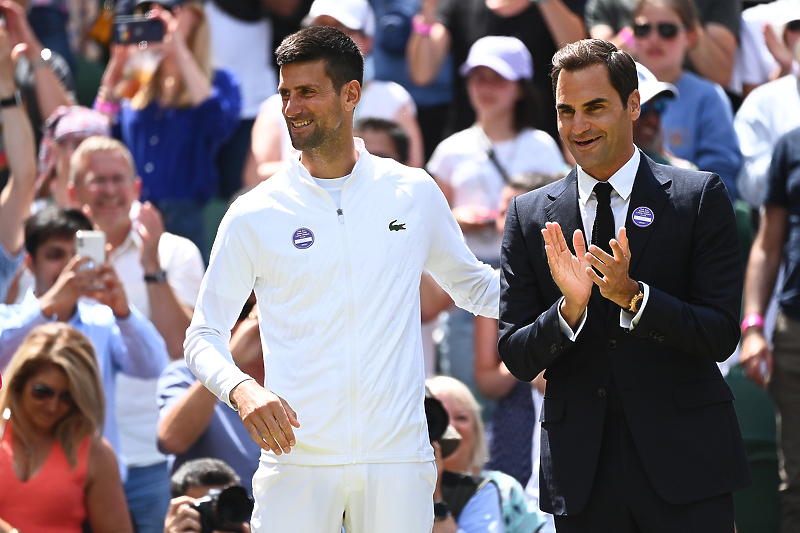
{"x":396,"y":227}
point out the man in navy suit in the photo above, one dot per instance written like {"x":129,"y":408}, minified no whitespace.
{"x":639,"y":433}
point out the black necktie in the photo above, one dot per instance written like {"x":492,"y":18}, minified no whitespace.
{"x":603,"y":229}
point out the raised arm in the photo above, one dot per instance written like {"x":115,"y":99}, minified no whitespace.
{"x":428,"y":45}
{"x":17,"y":195}
{"x":714,"y":52}
{"x":565,"y":25}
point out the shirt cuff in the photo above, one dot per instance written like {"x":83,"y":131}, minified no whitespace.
{"x":629,"y":321}
{"x":565,"y":327}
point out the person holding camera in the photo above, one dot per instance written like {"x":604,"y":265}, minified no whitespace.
{"x":207,"y":493}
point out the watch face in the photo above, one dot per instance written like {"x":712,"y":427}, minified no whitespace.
{"x":440,"y":510}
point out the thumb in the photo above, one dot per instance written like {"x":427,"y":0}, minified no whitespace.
{"x":17,"y":51}
{"x":87,"y":211}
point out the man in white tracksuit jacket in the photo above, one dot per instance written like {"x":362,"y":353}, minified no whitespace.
{"x":333,"y":246}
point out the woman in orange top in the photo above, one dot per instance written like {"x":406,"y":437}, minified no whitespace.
{"x":56,"y":469}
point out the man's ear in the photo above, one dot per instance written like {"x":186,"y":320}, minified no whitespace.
{"x":29,"y":262}
{"x":634,"y":104}
{"x":351,"y":94}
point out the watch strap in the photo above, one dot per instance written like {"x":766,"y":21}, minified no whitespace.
{"x":14,"y":100}
{"x":636,"y":301}
{"x":159,"y":276}
{"x":441,"y":510}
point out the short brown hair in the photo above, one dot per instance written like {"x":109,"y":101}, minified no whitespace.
{"x":590,"y":52}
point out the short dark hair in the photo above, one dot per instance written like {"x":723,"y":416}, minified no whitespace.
{"x":203,"y":472}
{"x":343,"y":59}
{"x":50,"y":222}
{"x":589,"y":52}
{"x":397,"y":134}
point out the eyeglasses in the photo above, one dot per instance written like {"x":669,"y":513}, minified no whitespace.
{"x":666,"y":30}
{"x":654,"y":106}
{"x":43,"y":392}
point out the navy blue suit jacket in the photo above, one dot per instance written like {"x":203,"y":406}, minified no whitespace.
{"x":677,"y":405}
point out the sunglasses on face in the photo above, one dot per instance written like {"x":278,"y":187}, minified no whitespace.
{"x":654,"y":106}
{"x":43,"y":392}
{"x":666,"y":30}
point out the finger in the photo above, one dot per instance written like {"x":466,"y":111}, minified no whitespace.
{"x":292,"y":414}
{"x":597,"y":263}
{"x":276,"y":433}
{"x":622,"y":239}
{"x":597,"y":280}
{"x":579,"y":243}
{"x":619,"y":252}
{"x":600,"y":254}
{"x":256,"y":435}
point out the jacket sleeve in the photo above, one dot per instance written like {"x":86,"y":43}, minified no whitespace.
{"x":705,"y":320}
{"x":229,"y":279}
{"x":16,"y":321}
{"x":471,"y":284}
{"x":139,"y":350}
{"x":530,"y":334}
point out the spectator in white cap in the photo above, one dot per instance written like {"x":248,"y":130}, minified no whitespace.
{"x":647,"y":133}
{"x":473,"y":165}
{"x":387,"y":100}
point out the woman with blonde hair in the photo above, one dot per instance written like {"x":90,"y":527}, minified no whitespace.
{"x":173,"y":111}
{"x":57,"y":470}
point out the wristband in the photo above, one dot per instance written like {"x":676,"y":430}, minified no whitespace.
{"x":418,"y":25}
{"x":626,"y":34}
{"x":753,"y":319}
{"x":106,"y":107}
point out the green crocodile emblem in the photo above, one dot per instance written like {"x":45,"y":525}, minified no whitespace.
{"x":396,"y":227}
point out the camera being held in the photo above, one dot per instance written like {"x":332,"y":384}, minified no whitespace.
{"x":207,"y":497}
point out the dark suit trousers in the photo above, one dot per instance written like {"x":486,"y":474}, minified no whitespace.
{"x":622,"y":500}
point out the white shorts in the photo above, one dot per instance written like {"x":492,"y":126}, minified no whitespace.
{"x":365,"y":498}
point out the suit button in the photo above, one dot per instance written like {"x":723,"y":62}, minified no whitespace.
{"x":601,"y":393}
{"x":653,"y":334}
{"x":612,"y":343}
{"x":553,"y":348}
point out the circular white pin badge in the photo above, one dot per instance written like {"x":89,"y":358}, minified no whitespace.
{"x":303,"y":238}
{"x":642,"y":216}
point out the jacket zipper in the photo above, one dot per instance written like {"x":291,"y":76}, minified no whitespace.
{"x":351,"y":322}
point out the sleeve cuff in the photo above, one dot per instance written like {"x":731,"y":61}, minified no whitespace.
{"x":565,"y":327}
{"x":628,"y":321}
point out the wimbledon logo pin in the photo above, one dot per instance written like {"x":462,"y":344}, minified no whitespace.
{"x":642,"y":216}
{"x":303,"y":238}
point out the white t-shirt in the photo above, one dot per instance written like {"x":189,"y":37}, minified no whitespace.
{"x":246,"y":49}
{"x":462,"y":162}
{"x":137,"y":411}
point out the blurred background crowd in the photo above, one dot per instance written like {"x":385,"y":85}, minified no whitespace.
{"x":149,"y":142}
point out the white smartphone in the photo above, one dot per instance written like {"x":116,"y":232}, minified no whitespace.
{"x":91,"y":244}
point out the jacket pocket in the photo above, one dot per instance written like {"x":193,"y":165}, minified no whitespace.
{"x":703,"y":392}
{"x":552,"y":409}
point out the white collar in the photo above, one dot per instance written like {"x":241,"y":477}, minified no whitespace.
{"x":303,"y":171}
{"x":622,"y":180}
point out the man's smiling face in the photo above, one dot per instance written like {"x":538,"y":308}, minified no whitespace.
{"x":592,"y":122}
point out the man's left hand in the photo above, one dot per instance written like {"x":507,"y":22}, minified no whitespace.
{"x":111,"y":292}
{"x":615,"y":285}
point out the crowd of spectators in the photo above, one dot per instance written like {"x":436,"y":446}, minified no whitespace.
{"x":459,"y":87}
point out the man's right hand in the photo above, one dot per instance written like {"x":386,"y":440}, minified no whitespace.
{"x":756,"y":356}
{"x":568,"y":271}
{"x":181,"y":517}
{"x":72,"y":283}
{"x":267,"y":417}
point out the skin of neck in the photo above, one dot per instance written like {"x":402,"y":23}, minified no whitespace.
{"x":334,"y":159}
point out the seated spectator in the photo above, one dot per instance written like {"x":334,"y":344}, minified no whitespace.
{"x":647,"y":132}
{"x":479,"y":500}
{"x":56,"y":468}
{"x":193,"y":423}
{"x":64,"y":130}
{"x":161,"y":274}
{"x":698,"y":123}
{"x":176,"y":121}
{"x":452,"y":26}
{"x":124,"y":340}
{"x":271,"y":145}
{"x":769,"y":112}
{"x":19,"y":152}
{"x":472,"y":166}
{"x":713,"y":52}
{"x":192,"y":481}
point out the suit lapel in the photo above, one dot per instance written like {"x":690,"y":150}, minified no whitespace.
{"x":564,"y":208}
{"x":648,"y":199}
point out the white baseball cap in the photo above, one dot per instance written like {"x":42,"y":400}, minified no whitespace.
{"x":354,"y":14}
{"x":650,"y":87}
{"x":507,"y":56}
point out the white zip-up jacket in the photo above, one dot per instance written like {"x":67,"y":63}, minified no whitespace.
{"x":338,"y":301}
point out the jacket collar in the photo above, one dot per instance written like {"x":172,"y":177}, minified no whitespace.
{"x":362,"y":168}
